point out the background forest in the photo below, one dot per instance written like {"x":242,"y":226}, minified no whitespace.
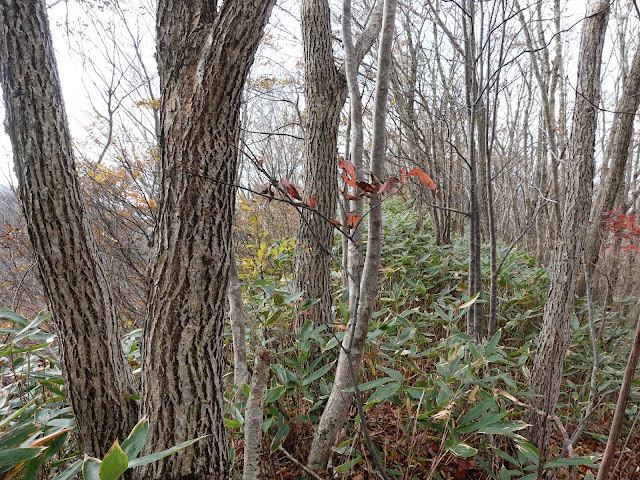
{"x":320,"y":240}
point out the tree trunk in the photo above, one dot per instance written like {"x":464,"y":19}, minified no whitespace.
{"x":337,"y":409}
{"x":204,"y":56}
{"x":325,"y":92}
{"x":98,"y":378}
{"x":238,"y":321}
{"x":618,"y":154}
{"x":546,"y":376}
{"x":254,"y":414}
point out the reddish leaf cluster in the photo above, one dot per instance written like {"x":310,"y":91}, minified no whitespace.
{"x":622,"y":226}
{"x":376,"y":187}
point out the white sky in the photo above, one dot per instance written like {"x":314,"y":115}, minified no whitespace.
{"x":73,"y":76}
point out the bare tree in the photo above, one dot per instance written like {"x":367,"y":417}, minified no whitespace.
{"x":547,"y":373}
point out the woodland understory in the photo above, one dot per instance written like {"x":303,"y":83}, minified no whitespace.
{"x":313,"y":239}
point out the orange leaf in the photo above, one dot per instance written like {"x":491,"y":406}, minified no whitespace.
{"x":366,"y":187}
{"x":311,"y":202}
{"x":348,"y":181}
{"x":426,"y":179}
{"x":348,"y":196}
{"x":352,"y":219}
{"x":403,"y":174}
{"x":347,"y":167}
{"x":337,"y":224}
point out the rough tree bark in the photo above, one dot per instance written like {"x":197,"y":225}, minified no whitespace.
{"x":325,"y":93}
{"x":339,"y":402}
{"x":98,"y":378}
{"x":546,"y":376}
{"x":205,"y":51}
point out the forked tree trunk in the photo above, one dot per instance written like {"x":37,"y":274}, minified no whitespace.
{"x":325,"y":93}
{"x":337,"y":409}
{"x":204,"y":55}
{"x":546,"y":376}
{"x":99,"y":381}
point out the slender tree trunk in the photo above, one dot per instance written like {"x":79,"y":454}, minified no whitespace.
{"x":339,"y":401}
{"x":619,"y":153}
{"x":621,"y":405}
{"x":98,"y":379}
{"x":546,"y":376}
{"x":204,"y":56}
{"x":238,"y":329}
{"x":254,"y":414}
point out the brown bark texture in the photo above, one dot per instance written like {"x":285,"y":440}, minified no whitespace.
{"x":325,"y":93}
{"x":204,"y":55}
{"x":546,"y":377}
{"x":99,"y":380}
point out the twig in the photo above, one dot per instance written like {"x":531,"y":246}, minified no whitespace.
{"x":299,"y":464}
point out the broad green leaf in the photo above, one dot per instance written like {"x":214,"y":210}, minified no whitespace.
{"x":70,"y":472}
{"x":91,"y":468}
{"x":345,"y":467}
{"x":384,"y":392}
{"x":114,"y":463}
{"x":306,"y":329}
{"x":13,"y":316}
{"x":13,"y":456}
{"x":138,"y":462}
{"x":317,"y":374}
{"x":588,"y":476}
{"x":462,"y":450}
{"x":503,"y":428}
{"x":396,"y":375}
{"x":363,"y":387}
{"x":281,"y":434}
{"x":17,"y":435}
{"x":493,"y":343}
{"x":274,"y":394}
{"x":16,"y":413}
{"x":32,"y":470}
{"x":480,"y":409}
{"x":487,"y":421}
{"x":132,"y":445}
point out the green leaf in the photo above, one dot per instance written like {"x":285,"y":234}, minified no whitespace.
{"x":70,"y":472}
{"x":32,"y":470}
{"x":588,"y":476}
{"x":16,"y":413}
{"x":91,"y":468}
{"x":566,"y":462}
{"x":503,"y":428}
{"x":317,"y":374}
{"x":132,"y":445}
{"x":281,"y":434}
{"x":462,"y":450}
{"x":470,"y":302}
{"x":480,"y":409}
{"x":396,"y":375}
{"x":384,"y":392}
{"x":493,"y":343}
{"x":13,"y":456}
{"x":306,"y":329}
{"x":13,"y":316}
{"x":345,"y":467}
{"x":363,"y":387}
{"x":17,"y":435}
{"x":114,"y":463}
{"x":154,"y":457}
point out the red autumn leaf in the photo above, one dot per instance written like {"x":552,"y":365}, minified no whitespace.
{"x":348,"y":181}
{"x":348,"y":196}
{"x":403,"y":174}
{"x":337,"y":224}
{"x":352,"y":219}
{"x":291,"y":190}
{"x":426,"y":179}
{"x":347,"y":167}
{"x":311,"y":202}
{"x":386,"y":186}
{"x":366,"y":187}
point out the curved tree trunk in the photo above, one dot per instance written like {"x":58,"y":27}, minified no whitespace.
{"x":204,"y":56}
{"x":546,"y":376}
{"x":99,"y":381}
